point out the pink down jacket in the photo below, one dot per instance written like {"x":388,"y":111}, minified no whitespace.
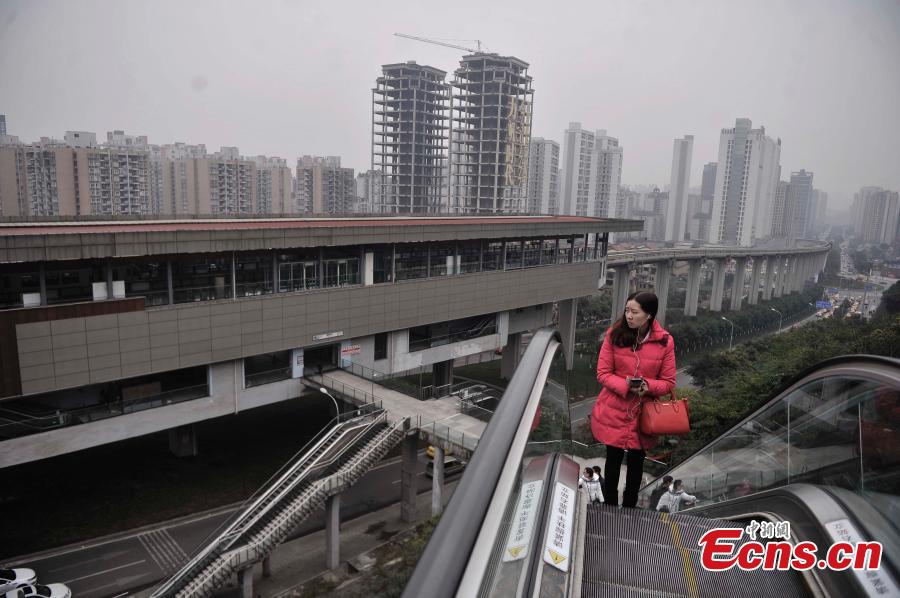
{"x":615,"y":419}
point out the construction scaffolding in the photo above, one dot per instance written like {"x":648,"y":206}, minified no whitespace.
{"x":409,"y":138}
{"x":490,"y":133}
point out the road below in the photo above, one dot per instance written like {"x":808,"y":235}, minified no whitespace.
{"x":133,"y":561}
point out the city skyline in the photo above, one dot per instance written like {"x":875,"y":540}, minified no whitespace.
{"x":322,"y":105}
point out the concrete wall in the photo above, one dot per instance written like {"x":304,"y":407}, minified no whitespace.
{"x":77,"y":351}
{"x":227,"y":396}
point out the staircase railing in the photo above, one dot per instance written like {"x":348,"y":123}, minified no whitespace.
{"x":284,"y":481}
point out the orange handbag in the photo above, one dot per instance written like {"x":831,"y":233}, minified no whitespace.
{"x":670,"y":418}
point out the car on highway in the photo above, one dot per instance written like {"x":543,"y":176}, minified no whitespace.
{"x":452,"y":466}
{"x":51,"y":590}
{"x":11,"y":579}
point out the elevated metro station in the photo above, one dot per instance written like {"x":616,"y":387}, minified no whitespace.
{"x":116,"y":329}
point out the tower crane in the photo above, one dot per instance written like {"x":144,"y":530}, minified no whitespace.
{"x":437,"y":42}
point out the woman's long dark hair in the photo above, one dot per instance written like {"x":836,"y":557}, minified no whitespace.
{"x":624,"y":336}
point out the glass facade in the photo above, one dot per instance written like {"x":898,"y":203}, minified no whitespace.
{"x":444,"y":333}
{"x":253,"y":274}
{"x":189,"y":278}
{"x":204,"y":278}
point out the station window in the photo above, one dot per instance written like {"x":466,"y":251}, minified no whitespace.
{"x":381,"y":344}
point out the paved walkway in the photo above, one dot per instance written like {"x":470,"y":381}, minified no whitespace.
{"x":437,"y":419}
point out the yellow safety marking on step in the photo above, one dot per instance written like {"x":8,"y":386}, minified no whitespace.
{"x":690,"y":575}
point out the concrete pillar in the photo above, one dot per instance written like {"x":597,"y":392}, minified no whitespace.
{"x":510,"y":360}
{"x":42,"y":283}
{"x":267,"y":567}
{"x":718,"y":287}
{"x":108,"y":270}
{"x":245,"y":581}
{"x":790,"y":284}
{"x":183,"y":441}
{"x":169,"y":282}
{"x":276,"y":282}
{"x":770,"y":277}
{"x":663,"y":278}
{"x":692,"y":293}
{"x":779,"y":276}
{"x":409,"y":465}
{"x":442,"y":377}
{"x":568,"y":311}
{"x":737,"y":285}
{"x":620,"y":291}
{"x":437,"y":482}
{"x":333,"y":531}
{"x":753,"y":299}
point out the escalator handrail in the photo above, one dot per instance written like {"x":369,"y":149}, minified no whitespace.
{"x":443,"y":563}
{"x":809,"y":374}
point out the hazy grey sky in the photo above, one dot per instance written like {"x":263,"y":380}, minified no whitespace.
{"x":288,"y":78}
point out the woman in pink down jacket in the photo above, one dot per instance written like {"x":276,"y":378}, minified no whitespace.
{"x":636,"y":364}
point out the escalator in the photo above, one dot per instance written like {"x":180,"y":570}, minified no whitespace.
{"x":330,"y":463}
{"x":819,"y":462}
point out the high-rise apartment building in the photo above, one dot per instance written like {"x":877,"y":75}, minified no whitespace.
{"x":80,"y":139}
{"x":490,"y":134}
{"x":368,"y":192}
{"x":677,"y":212}
{"x":591,"y":173}
{"x":606,"y":174}
{"x":575,"y":185}
{"x":804,"y":210}
{"x":323,"y":186}
{"x":2,"y":124}
{"x":57,"y":180}
{"x":274,"y":182}
{"x":410,"y":110}
{"x":785,"y":224}
{"x":876,"y":214}
{"x":820,"y":201}
{"x":543,"y":177}
{"x":746,"y":180}
{"x":700,"y":212}
{"x":120,"y":139}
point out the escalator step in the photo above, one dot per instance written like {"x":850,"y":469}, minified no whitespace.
{"x":635,"y":552}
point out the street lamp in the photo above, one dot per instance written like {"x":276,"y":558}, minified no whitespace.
{"x":325,"y":392}
{"x":731,"y":338}
{"x":780,"y":316}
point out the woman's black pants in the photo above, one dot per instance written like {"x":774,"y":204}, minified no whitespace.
{"x":635,"y":463}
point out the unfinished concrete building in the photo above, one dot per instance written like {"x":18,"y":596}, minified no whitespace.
{"x":409,"y":137}
{"x":490,"y":132}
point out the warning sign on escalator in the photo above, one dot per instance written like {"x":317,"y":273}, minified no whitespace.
{"x":523,"y":524}
{"x":559,"y":535}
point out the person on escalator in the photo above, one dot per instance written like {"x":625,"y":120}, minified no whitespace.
{"x":636,"y":364}
{"x":675,"y":498}
{"x":591,"y":485}
{"x":664,"y":487}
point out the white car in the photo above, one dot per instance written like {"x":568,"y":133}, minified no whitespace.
{"x":11,"y":579}
{"x":51,"y":590}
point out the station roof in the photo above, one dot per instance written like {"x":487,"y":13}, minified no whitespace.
{"x":78,"y":239}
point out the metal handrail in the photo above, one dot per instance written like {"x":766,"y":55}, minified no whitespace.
{"x":443,"y":564}
{"x":273,"y":483}
{"x":259,"y":548}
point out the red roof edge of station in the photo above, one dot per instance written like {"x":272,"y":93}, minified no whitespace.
{"x":145,"y":226}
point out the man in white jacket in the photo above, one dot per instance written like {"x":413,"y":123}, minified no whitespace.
{"x":590,"y":482}
{"x":674,"y":498}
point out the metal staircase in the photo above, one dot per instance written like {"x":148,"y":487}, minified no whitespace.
{"x":329,"y":465}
